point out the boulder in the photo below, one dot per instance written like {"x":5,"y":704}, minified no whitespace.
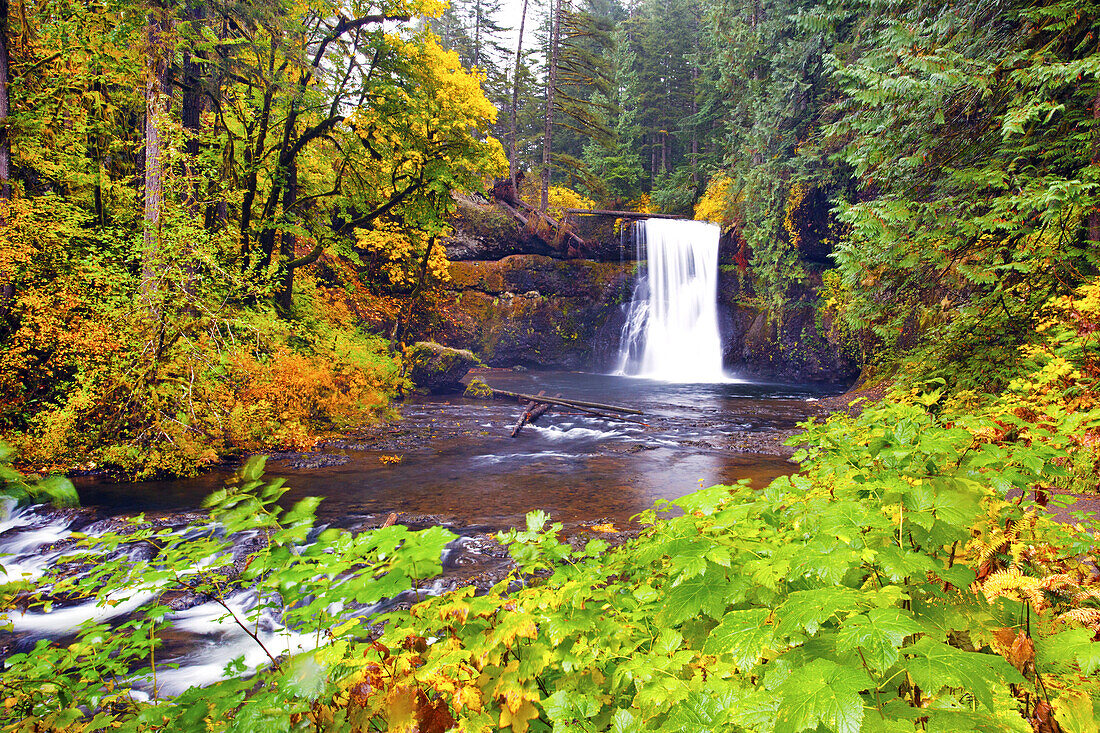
{"x":437,"y":369}
{"x":478,"y":390}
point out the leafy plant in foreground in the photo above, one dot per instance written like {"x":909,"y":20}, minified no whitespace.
{"x":57,"y":490}
{"x":903,"y":581}
{"x":852,"y":597}
{"x":296,"y":574}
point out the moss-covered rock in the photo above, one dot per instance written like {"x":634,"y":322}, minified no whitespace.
{"x":436,"y":368}
{"x":535,"y":311}
{"x":478,"y":390}
{"x":790,"y":345}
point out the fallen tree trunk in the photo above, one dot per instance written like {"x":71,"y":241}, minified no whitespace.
{"x":566,"y":403}
{"x":549,"y":220}
{"x":531,"y":413}
{"x":623,"y":214}
{"x":560,"y":226}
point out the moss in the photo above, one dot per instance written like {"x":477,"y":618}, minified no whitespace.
{"x":478,"y":390}
{"x":434,"y":367}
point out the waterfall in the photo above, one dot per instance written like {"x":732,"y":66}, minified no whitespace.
{"x":671,"y":331}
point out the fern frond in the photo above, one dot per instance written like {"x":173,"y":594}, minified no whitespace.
{"x":1082,"y":617}
{"x":1011,"y":583}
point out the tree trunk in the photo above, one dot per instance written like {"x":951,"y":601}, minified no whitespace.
{"x":1094,"y":216}
{"x":156,"y":112}
{"x":5,"y":110}
{"x":191,"y":105}
{"x":515,"y":100}
{"x":477,"y":34}
{"x":551,"y":82}
{"x":285,"y":298}
{"x":695,"y":122}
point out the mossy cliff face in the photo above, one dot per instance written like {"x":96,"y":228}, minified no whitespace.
{"x":536,"y":311}
{"x":789,"y":346}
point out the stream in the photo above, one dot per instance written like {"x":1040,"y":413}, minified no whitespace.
{"x":458,"y":466}
{"x":448,"y":461}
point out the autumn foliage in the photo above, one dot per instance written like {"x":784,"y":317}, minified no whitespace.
{"x":172,"y":297}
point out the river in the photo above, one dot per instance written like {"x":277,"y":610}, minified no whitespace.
{"x":449,"y":461}
{"x":452,"y":459}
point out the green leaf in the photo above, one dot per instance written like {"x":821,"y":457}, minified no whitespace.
{"x":821,"y":693}
{"x":936,"y":665}
{"x":703,"y":501}
{"x":702,"y":712}
{"x":806,"y":610}
{"x":1076,"y":713}
{"x":668,"y":642}
{"x":623,"y":721}
{"x":878,"y":634}
{"x":536,"y":520}
{"x":703,"y":594}
{"x":744,"y":635}
{"x":1074,"y":645}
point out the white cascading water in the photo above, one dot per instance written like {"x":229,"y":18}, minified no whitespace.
{"x":671,"y":331}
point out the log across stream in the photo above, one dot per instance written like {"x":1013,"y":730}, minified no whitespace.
{"x":538,"y":405}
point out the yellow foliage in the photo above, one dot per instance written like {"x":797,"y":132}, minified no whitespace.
{"x":561,"y":197}
{"x":401,"y":251}
{"x":1011,"y":583}
{"x":794,"y":200}
{"x":432,"y":117}
{"x":714,"y":205}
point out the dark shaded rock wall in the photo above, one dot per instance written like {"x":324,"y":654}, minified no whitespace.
{"x":790,"y":346}
{"x":536,"y":311}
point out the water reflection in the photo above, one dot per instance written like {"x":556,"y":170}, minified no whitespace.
{"x":575,"y":467}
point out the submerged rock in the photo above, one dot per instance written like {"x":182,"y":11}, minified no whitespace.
{"x":437,"y":368}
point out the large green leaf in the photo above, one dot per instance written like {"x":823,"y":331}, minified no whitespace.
{"x":821,"y":693}
{"x":1074,"y":645}
{"x":877,"y":634}
{"x":935,"y":665}
{"x":806,"y":610}
{"x":1076,"y":713}
{"x":703,"y":594}
{"x":742,"y":634}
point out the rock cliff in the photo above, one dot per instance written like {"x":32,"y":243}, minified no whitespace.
{"x":536,"y":311}
{"x":513,"y":300}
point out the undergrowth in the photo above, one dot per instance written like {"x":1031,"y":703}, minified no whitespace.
{"x":164,"y":376}
{"x":907,"y":579}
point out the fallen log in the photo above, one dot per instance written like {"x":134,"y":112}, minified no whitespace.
{"x":565,"y":403}
{"x":557,"y":225}
{"x":623,"y":214}
{"x":531,"y":413}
